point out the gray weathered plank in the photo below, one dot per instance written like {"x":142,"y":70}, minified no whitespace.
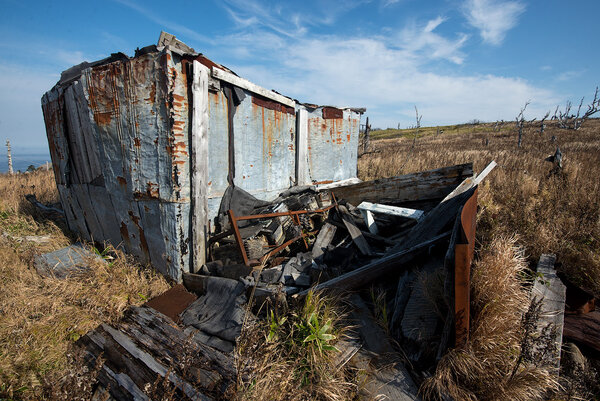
{"x":199,"y":165}
{"x":324,"y":238}
{"x":245,"y":84}
{"x":551,"y":292}
{"x":426,"y":185}
{"x":355,"y":233}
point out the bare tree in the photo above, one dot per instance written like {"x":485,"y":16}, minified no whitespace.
{"x":417,"y":127}
{"x":520,"y":119}
{"x":568,"y":120}
{"x":542,"y":123}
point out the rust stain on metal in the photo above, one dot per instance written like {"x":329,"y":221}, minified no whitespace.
{"x":143,"y":242}
{"x":122,"y":181}
{"x":332,"y":113}
{"x":136,"y":141}
{"x":271,"y":105}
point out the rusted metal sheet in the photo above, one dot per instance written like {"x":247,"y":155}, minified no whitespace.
{"x":332,"y":145}
{"x":462,"y":269}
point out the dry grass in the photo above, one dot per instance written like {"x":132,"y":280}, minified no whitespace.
{"x":280,"y":361}
{"x":41,"y":317}
{"x":550,"y":213}
{"x":491,"y":366}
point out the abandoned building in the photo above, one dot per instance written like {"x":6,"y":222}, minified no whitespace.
{"x":144,"y":148}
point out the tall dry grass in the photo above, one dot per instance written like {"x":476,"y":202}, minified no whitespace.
{"x":492,"y":366}
{"x":550,"y":213}
{"x":41,"y":317}
{"x":290,"y":355}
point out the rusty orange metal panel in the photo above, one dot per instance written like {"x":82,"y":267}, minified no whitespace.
{"x":463,"y":252}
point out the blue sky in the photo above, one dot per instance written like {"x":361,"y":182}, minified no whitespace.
{"x":455,"y":60}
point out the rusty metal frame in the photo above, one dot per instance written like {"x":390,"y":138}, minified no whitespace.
{"x":293,"y":214}
{"x":463,"y":256}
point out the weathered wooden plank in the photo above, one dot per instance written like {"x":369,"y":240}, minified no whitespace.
{"x":391,"y":210}
{"x":470,"y":182}
{"x":103,"y":208}
{"x":426,"y":185}
{"x":355,"y":233}
{"x":145,"y":358}
{"x":245,"y":84}
{"x":370,"y":221}
{"x":175,"y":341}
{"x":551,"y":292}
{"x":365,"y":274}
{"x":584,"y":329}
{"x":302,"y":174}
{"x":324,"y":238}
{"x":199,"y":165}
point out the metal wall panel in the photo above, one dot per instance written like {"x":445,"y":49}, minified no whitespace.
{"x":332,"y":145}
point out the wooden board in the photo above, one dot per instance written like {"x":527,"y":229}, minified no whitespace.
{"x":355,"y":233}
{"x":245,"y":84}
{"x":552,"y":293}
{"x":199,"y":165}
{"x":426,"y":185}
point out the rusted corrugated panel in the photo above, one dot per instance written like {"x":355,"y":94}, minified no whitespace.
{"x":332,"y":146}
{"x":264,"y":144}
{"x":264,"y":149}
{"x":462,"y":269}
{"x":332,"y":113}
{"x":52,"y":107}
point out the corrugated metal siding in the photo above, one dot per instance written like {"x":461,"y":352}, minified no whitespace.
{"x":119,"y":140}
{"x":332,"y":145}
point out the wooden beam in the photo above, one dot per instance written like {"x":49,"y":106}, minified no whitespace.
{"x":199,"y":165}
{"x":422,"y":186}
{"x":302,"y":176}
{"x":245,"y":84}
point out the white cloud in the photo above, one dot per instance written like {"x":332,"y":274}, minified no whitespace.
{"x":493,"y":18}
{"x":389,"y":81}
{"x":569,"y":75}
{"x":434,"y":46}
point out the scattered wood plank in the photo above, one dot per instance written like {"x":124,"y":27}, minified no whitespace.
{"x":551,"y":292}
{"x":355,"y":233}
{"x":323,"y":240}
{"x":365,"y":274}
{"x":145,"y":348}
{"x":43,"y":208}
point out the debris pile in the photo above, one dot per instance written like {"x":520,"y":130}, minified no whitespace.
{"x":410,"y":237}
